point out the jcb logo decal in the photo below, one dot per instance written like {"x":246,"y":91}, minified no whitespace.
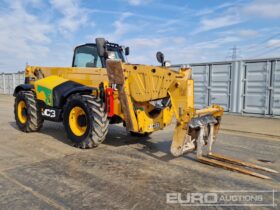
{"x":49,"y":113}
{"x":155,"y":126}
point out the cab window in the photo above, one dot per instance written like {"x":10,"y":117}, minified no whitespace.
{"x":86,"y":56}
{"x":114,"y":53}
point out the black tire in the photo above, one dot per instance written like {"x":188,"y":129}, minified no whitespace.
{"x":140,"y":134}
{"x":96,"y":120}
{"x":34,"y":120}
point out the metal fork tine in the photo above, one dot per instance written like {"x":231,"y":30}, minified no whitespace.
{"x":227,"y":166}
{"x":240,"y":162}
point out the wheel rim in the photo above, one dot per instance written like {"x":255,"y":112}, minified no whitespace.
{"x":75,"y":114}
{"x":22,"y":112}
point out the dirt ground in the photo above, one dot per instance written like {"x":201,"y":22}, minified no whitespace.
{"x":43,"y":171}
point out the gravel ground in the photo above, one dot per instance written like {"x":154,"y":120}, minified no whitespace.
{"x":43,"y":171}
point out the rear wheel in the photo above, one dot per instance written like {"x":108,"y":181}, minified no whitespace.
{"x":85,"y":121}
{"x":27,"y":114}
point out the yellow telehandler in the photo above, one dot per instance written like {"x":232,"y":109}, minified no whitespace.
{"x":102,"y":88}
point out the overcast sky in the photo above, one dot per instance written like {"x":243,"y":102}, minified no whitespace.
{"x":45,"y":32}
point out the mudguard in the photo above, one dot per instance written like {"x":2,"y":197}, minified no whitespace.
{"x":64,"y":90}
{"x":22,"y":87}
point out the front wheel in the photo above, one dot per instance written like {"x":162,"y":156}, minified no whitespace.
{"x":85,"y":121}
{"x":27,"y":113}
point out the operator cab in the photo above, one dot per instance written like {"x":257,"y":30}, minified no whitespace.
{"x":89,"y":56}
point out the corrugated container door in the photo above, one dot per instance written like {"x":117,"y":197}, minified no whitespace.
{"x":10,"y":83}
{"x":200,"y":75}
{"x":220,"y":85}
{"x":275,"y":88}
{"x":256,"y":87}
{"x":21,"y":78}
{"x":2,"y":83}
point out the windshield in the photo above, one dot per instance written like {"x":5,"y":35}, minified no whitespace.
{"x":114,"y":53}
{"x":86,"y":56}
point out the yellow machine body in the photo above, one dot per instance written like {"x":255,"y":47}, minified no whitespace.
{"x":137,"y":87}
{"x":44,"y":88}
{"x":144,"y":98}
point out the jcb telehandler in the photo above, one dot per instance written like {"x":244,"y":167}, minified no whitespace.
{"x":102,"y":88}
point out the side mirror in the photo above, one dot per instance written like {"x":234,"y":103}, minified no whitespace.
{"x":101,"y":46}
{"x":160,"y":58}
{"x":126,"y":51}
